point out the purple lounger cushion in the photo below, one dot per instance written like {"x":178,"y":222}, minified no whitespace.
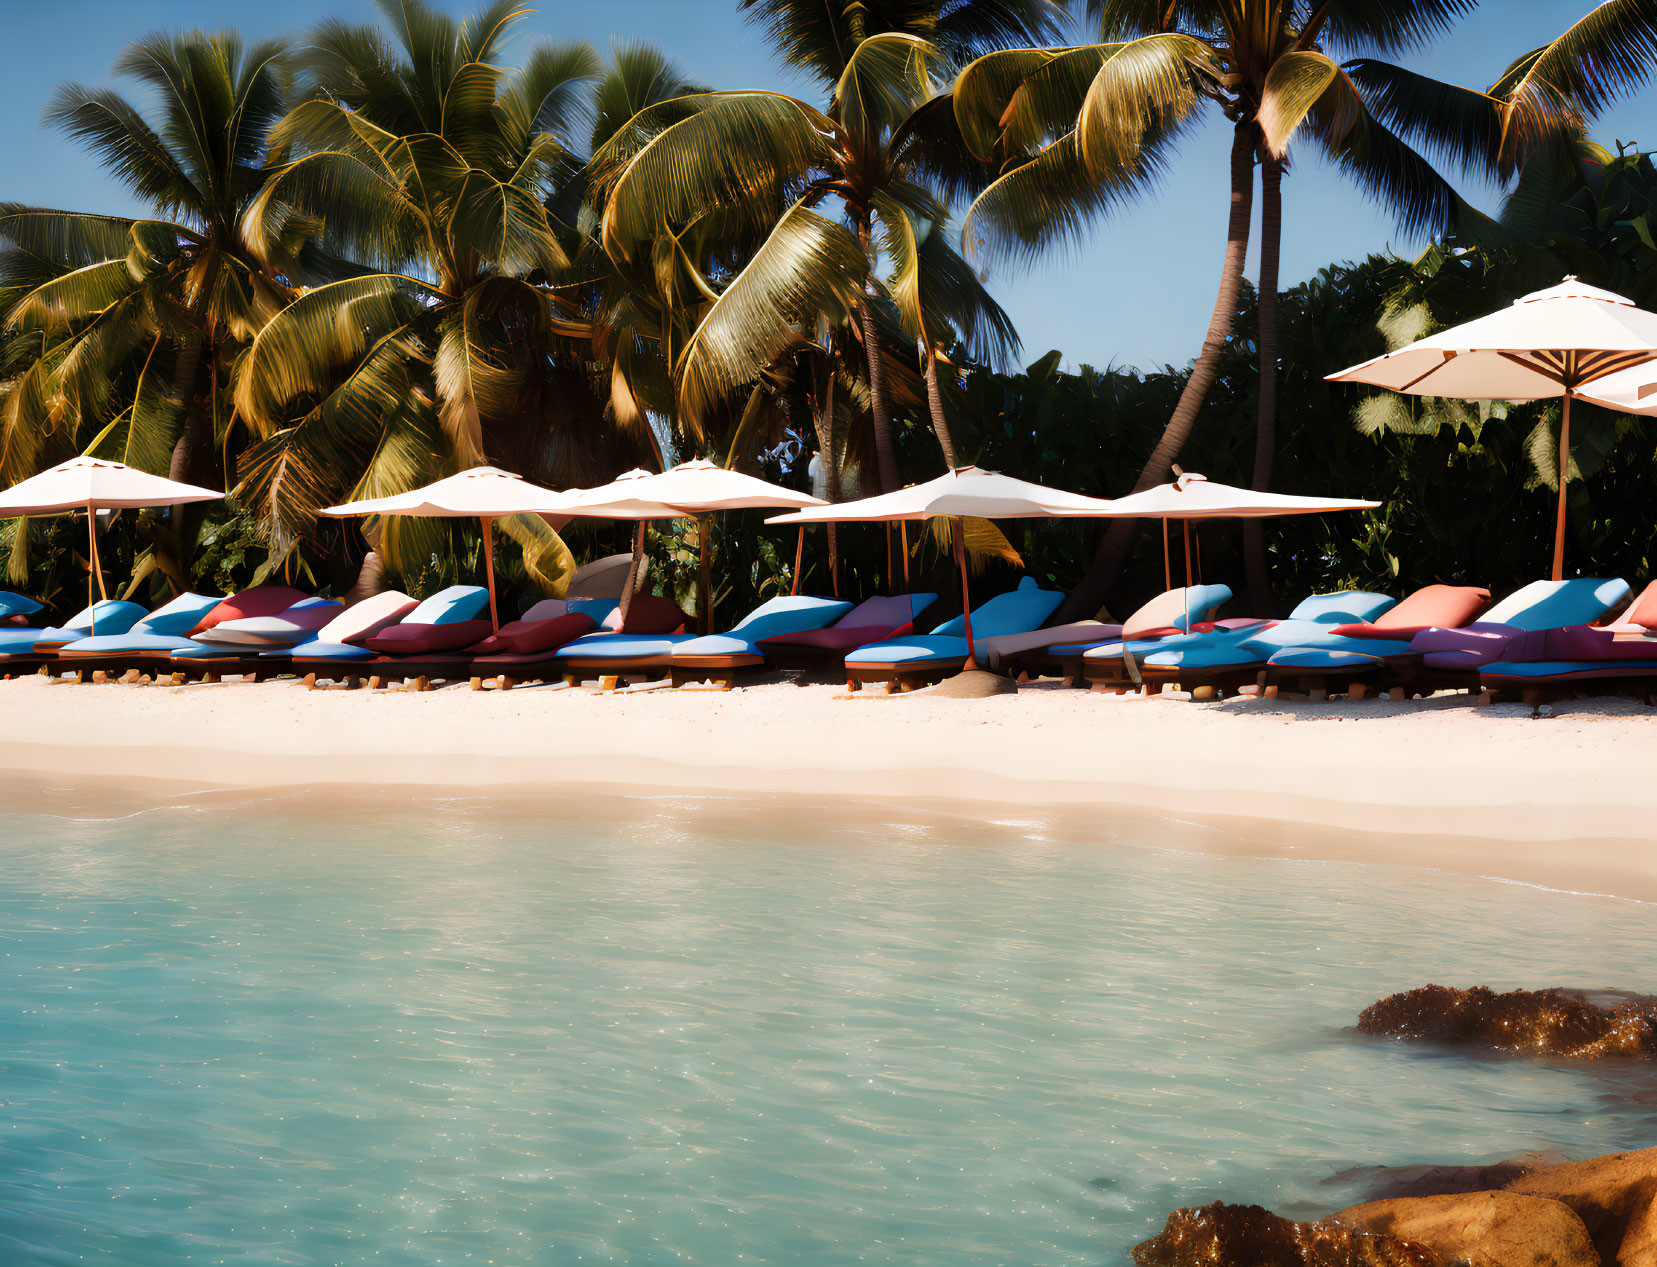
{"x":409,"y":640}
{"x":531,"y":637}
{"x":1584,"y":642}
{"x":836,"y":640}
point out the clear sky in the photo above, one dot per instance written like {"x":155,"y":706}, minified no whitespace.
{"x":1139,"y":293}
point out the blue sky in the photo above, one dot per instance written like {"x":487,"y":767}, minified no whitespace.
{"x":1139,"y":293}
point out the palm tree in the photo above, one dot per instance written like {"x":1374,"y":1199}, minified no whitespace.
{"x":430,"y":164}
{"x":1081,"y":130}
{"x":766,"y":167}
{"x":122,"y":332}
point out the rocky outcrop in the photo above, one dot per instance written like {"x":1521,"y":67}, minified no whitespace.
{"x":1616,"y":1198}
{"x":1502,"y":1227}
{"x":1553,"y":1023}
{"x":1249,"y":1234}
{"x":1530,"y":1212}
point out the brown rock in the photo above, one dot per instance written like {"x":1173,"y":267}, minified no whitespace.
{"x":1222,"y":1235}
{"x":1504,"y":1227}
{"x":1558,"y":1023}
{"x":1615,"y":1197}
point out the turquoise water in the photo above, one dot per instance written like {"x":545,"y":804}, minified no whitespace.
{"x":656,"y":1033}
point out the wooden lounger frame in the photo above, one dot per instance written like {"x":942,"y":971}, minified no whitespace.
{"x":902,"y":677}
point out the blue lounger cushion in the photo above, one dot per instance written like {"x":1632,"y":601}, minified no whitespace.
{"x":114,"y":615}
{"x":1343,"y":607}
{"x":619,"y":646}
{"x":1315,"y":658}
{"x":15,"y":604}
{"x":164,"y":629}
{"x":1309,"y":625}
{"x":795,"y":613}
{"x":451,"y":606}
{"x":1114,"y":650}
{"x":1015,"y":612}
{"x":1557,"y":604}
{"x":932,"y":648}
{"x":317,"y":649}
{"x":1541,"y":669}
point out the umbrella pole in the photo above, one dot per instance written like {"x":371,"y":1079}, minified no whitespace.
{"x":1564,"y":466}
{"x":890,"y":570}
{"x":799,"y":555}
{"x":97,"y":569}
{"x":1167,"y":566}
{"x":903,"y":540}
{"x":834,"y":559}
{"x":704,"y":595}
{"x":489,"y":568}
{"x":960,"y":539}
{"x":1185,"y":530}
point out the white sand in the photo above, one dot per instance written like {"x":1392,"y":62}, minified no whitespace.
{"x":1565,"y":800}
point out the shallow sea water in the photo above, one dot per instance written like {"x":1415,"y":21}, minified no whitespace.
{"x":664,"y":1032}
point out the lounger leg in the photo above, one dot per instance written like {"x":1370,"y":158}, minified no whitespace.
{"x":852,"y":684}
{"x":608,"y":682}
{"x":508,"y":681}
{"x":1357,"y":690}
{"x":374,"y":683}
{"x":477,"y":683}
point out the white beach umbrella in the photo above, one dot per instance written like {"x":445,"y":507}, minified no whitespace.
{"x":1192,"y":496}
{"x":1629,"y":392}
{"x":692,"y":490}
{"x":94,"y":484}
{"x":485,"y":493}
{"x":1555,"y":342}
{"x":966,"y":492}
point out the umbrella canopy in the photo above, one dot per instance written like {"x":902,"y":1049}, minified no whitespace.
{"x":93,"y":484}
{"x":968,"y":491}
{"x":485,"y":493}
{"x":1554,"y":342}
{"x":689,"y":490}
{"x":1629,"y":392}
{"x":1194,"y":496}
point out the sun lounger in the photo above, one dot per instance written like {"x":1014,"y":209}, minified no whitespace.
{"x":722,"y":657}
{"x":15,"y":609}
{"x":639,"y":648}
{"x":527,"y":649}
{"x":1224,"y":658}
{"x":1617,"y":658}
{"x":1376,"y":655}
{"x":1059,"y":651}
{"x":24,"y":649}
{"x":429,"y":641}
{"x":920,"y":659}
{"x":1513,"y":629}
{"x":873,"y":620}
{"x":148,"y":643}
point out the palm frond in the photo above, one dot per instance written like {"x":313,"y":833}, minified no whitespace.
{"x":886,"y":77}
{"x":1293,"y":86}
{"x":1457,"y":127}
{"x":740,"y":149}
{"x":547,"y":560}
{"x":1143,"y":89}
{"x":1384,"y":26}
{"x":108,"y":125}
{"x":809,"y":270}
{"x":1605,"y":55}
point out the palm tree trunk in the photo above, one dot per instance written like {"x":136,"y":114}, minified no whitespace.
{"x":1089,"y":595}
{"x":886,"y":463}
{"x":823,"y":420}
{"x":935,"y":399}
{"x":1261,"y":600}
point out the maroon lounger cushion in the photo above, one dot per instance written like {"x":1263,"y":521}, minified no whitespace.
{"x":1430,"y":607}
{"x":835,"y":640}
{"x":529,"y":637}
{"x":647,"y":614}
{"x":1643,"y":611}
{"x":406,"y":640}
{"x":261,"y":600}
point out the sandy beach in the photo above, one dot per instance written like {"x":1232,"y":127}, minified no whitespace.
{"x":1562,"y":800}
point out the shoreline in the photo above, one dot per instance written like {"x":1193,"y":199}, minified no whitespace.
{"x":1561,"y":802}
